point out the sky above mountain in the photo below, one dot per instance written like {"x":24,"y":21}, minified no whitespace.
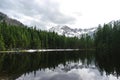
{"x":74,"y":13}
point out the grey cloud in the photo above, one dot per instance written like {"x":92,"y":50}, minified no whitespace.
{"x":47,"y":10}
{"x":41,"y":24}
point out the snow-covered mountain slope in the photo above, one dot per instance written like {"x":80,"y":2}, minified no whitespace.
{"x":69,"y":32}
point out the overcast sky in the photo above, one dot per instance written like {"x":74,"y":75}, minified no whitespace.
{"x":74,"y":13}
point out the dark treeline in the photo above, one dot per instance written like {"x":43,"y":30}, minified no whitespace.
{"x":23,"y":37}
{"x":107,"y":37}
{"x":107,"y":43}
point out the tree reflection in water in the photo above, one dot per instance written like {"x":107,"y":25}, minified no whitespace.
{"x":108,"y":62}
{"x":21,"y":63}
{"x":67,"y":65}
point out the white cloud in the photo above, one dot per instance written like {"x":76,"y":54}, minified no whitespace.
{"x":74,"y":13}
{"x":37,"y":12}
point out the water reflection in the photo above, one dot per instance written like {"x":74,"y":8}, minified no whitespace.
{"x":72,"y":74}
{"x":17,"y":64}
{"x":108,"y":62}
{"x":70,"y":65}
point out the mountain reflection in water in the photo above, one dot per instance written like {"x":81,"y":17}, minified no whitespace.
{"x":71,"y":65}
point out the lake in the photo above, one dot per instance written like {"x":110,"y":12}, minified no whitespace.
{"x":59,"y":65}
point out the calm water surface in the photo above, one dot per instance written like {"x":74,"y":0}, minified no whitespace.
{"x":68,"y":65}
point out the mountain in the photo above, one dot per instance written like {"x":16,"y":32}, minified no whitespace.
{"x":61,"y":30}
{"x":69,"y":32}
{"x":9,"y":21}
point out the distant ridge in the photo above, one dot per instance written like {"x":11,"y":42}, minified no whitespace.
{"x":69,"y":32}
{"x":9,"y":21}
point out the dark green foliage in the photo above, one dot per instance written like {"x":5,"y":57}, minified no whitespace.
{"x":108,"y":62}
{"x":107,"y":38}
{"x":23,"y":37}
{"x":107,"y":43}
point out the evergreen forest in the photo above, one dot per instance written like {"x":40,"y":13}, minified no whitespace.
{"x":23,"y":37}
{"x":106,"y":37}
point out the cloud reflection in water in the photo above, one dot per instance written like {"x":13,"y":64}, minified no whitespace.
{"x":73,"y":74}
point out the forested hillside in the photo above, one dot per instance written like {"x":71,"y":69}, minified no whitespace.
{"x":23,"y":37}
{"x":107,"y":37}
